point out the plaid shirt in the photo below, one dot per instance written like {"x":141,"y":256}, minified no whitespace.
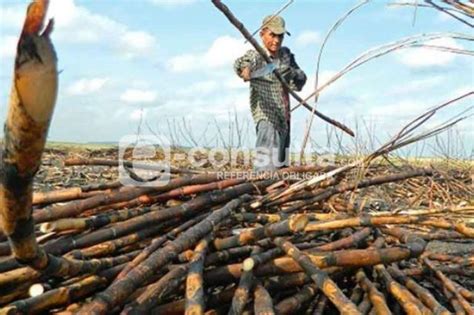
{"x":268,"y":99}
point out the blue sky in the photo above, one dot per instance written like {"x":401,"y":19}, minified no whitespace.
{"x":159,"y":61}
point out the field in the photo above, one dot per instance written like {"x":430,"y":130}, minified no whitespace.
{"x":336,"y":223}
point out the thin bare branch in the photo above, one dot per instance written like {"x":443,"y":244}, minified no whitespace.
{"x":318,"y":63}
{"x":379,"y":51}
{"x":402,"y":138}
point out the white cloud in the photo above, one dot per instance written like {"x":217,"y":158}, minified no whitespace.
{"x":183,"y":63}
{"x":308,"y":87}
{"x":222,"y":52}
{"x":390,"y":113}
{"x":443,"y":17}
{"x":461,"y":91}
{"x":200,"y":88}
{"x":324,"y":77}
{"x":8,"y":46}
{"x":307,"y":38}
{"x":234,"y":82}
{"x":208,"y":99}
{"x":137,"y":43}
{"x":138,"y":96}
{"x":402,"y":108}
{"x":138,"y":114}
{"x":75,"y":24}
{"x":426,"y":57}
{"x":465,"y":127}
{"x":140,"y":84}
{"x":417,"y":86}
{"x":86,"y":86}
{"x":218,"y":107}
{"x":12,"y":17}
{"x":172,"y":3}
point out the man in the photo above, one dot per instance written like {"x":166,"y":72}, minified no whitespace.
{"x":269,"y":101}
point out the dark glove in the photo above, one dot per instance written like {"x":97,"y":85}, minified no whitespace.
{"x":287,"y":73}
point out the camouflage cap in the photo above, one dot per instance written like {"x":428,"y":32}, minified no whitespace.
{"x":275,"y":23}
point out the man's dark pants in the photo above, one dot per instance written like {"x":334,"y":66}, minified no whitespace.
{"x":272,"y":147}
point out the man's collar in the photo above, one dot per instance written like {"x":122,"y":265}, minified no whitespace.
{"x":269,"y":55}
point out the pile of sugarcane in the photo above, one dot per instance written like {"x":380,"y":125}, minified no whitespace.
{"x":204,"y":244}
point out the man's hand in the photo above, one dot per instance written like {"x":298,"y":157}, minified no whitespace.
{"x":245,"y":74}
{"x":287,"y":73}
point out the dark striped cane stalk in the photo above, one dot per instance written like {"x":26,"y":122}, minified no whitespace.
{"x":448,"y":284}
{"x":263,"y":304}
{"x":194,"y":295}
{"x":117,"y":293}
{"x":157,"y":292}
{"x":423,"y":294}
{"x":292,"y":304}
{"x":377,"y":299}
{"x":321,"y":278}
{"x":244,"y":289}
{"x":410,"y":304}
